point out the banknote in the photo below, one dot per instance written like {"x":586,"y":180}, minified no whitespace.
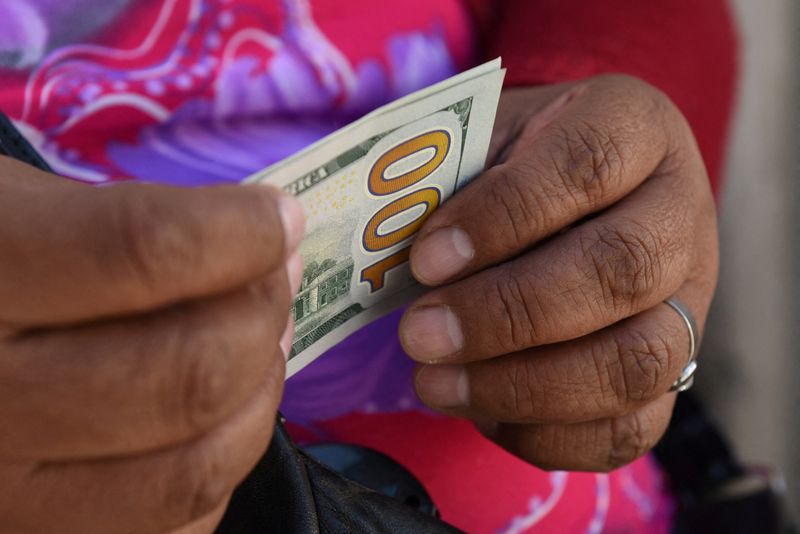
{"x":367,"y":189}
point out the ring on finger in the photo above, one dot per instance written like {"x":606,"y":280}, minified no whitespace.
{"x":686,"y":378}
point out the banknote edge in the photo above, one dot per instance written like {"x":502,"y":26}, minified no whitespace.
{"x":459,"y":79}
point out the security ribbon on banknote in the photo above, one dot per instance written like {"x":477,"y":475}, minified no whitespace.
{"x":367,"y":189}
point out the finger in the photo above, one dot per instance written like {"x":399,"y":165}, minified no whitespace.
{"x":156,"y":492}
{"x":595,"y":143}
{"x":77,"y":252}
{"x":144,"y":383}
{"x":15,"y":174}
{"x":602,"y":445}
{"x":610,"y":267}
{"x":606,"y":374}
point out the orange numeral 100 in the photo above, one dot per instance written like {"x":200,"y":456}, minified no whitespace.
{"x":379,"y":185}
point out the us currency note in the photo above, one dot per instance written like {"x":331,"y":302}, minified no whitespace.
{"x":367,"y":189}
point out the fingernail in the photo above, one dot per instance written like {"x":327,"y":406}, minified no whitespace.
{"x":287,"y":338}
{"x":294,"y":269}
{"x":432,"y":333}
{"x":293,"y":219}
{"x":443,"y":386}
{"x":442,"y":255}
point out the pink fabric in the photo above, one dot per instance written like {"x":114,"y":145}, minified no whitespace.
{"x":479,"y":487}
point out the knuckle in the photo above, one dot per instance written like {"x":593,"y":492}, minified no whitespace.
{"x":203,"y":392}
{"x":512,"y":308}
{"x":637,"y":115}
{"x":205,"y":389}
{"x":511,"y":204}
{"x":624,"y":264}
{"x":640,"y":107}
{"x":630,"y":439}
{"x":152,"y":245}
{"x":640,"y":367}
{"x":592,"y":164}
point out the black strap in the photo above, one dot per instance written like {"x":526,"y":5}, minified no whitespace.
{"x":14,"y":145}
{"x":291,"y":493}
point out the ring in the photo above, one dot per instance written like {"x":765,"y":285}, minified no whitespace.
{"x":686,"y":378}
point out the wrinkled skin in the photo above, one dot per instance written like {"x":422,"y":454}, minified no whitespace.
{"x":547,"y":325}
{"x":139,"y":349}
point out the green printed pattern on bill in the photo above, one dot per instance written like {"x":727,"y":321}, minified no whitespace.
{"x":367,"y":189}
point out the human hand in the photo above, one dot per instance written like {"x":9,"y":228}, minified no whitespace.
{"x":549,"y":327}
{"x":140,"y":367}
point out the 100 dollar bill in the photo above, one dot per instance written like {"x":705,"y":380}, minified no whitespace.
{"x":367,"y":189}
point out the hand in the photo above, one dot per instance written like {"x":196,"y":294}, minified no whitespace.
{"x":140,"y":368}
{"x":549,"y":328}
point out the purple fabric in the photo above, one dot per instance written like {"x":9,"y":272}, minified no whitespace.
{"x":372,"y":372}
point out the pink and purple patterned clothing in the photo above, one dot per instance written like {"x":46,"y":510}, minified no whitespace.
{"x":198,"y":92}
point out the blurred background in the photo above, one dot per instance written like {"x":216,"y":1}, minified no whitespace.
{"x":750,"y":373}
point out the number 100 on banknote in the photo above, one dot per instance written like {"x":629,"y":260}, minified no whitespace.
{"x":367,"y":189}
